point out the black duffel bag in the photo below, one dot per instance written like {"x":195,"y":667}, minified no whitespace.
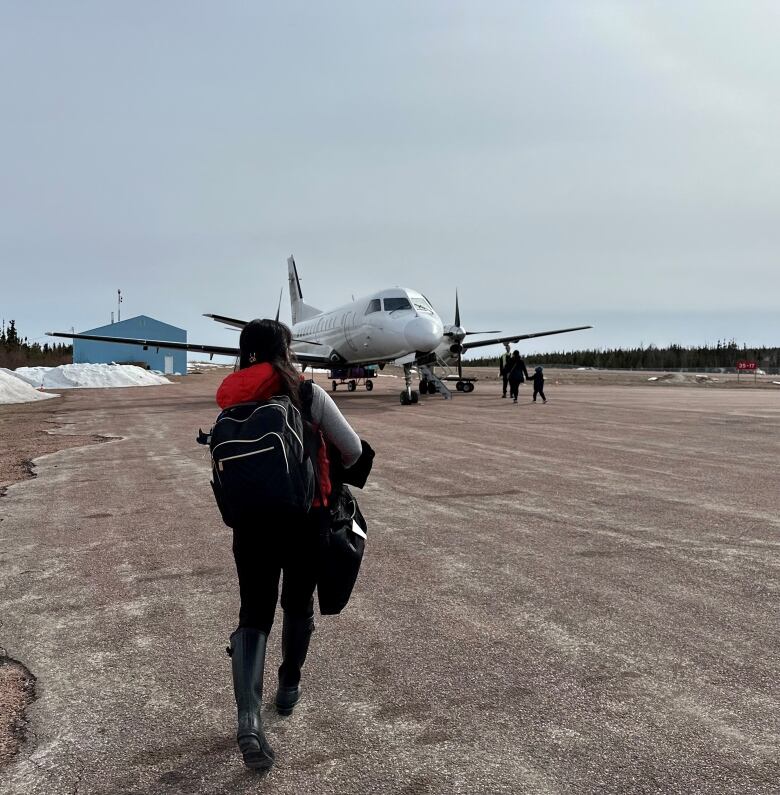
{"x":342,"y":552}
{"x":342,"y":542}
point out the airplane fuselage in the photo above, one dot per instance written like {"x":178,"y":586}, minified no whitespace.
{"x":377,"y":328}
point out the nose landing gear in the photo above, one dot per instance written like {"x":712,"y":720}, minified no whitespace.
{"x":409,"y":395}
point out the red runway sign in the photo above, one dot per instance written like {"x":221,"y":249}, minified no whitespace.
{"x":743,"y":364}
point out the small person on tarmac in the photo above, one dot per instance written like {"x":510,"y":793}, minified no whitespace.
{"x":517,"y":374}
{"x":538,"y":379}
{"x":504,"y":365}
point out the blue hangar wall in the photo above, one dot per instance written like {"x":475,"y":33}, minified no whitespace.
{"x":144,"y":327}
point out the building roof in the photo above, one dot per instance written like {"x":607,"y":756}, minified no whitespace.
{"x":115,"y":328}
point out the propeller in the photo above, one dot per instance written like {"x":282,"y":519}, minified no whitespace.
{"x":457,"y":334}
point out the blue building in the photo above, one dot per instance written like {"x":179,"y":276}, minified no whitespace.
{"x":141,"y":327}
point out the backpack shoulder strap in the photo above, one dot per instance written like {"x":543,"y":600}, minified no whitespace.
{"x":306,"y":394}
{"x":313,"y":439}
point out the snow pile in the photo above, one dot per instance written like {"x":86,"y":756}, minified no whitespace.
{"x":74,"y":376}
{"x":664,"y":377}
{"x":683,"y":378}
{"x":15,"y":390}
{"x":199,"y":367}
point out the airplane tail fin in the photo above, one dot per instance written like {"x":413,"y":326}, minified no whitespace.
{"x":300,"y":310}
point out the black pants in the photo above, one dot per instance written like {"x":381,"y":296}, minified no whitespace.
{"x":514,"y":386}
{"x":281,"y":544}
{"x":505,"y":379}
{"x":540,"y":393}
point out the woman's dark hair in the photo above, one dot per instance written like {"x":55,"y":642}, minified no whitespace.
{"x":269,"y":341}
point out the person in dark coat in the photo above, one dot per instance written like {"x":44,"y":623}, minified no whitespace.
{"x":282,"y":545}
{"x":504,"y":365}
{"x":538,"y":379}
{"x":517,"y":374}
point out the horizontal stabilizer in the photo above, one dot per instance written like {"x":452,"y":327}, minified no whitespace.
{"x":228,"y":321}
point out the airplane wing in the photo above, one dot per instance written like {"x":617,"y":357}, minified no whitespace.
{"x":175,"y":346}
{"x":303,"y":358}
{"x":517,"y":337}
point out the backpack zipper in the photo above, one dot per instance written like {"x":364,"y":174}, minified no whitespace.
{"x":221,"y":462}
{"x":251,"y":441}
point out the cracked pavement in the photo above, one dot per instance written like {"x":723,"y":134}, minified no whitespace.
{"x":572,"y":598}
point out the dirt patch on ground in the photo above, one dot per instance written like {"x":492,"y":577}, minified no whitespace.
{"x":26,"y":433}
{"x":17,"y":690}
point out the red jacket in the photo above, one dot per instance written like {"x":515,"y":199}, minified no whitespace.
{"x":260,"y":382}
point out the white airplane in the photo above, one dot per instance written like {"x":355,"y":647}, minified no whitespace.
{"x":386,"y":326}
{"x":383,"y":327}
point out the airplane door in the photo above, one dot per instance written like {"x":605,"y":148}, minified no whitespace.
{"x":349,"y":330}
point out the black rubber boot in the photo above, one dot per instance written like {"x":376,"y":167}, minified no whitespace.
{"x":296,"y":633}
{"x":247,"y":652}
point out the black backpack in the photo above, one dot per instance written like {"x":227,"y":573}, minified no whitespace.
{"x":260,"y":462}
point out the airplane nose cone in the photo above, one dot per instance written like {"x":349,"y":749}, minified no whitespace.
{"x":423,"y":334}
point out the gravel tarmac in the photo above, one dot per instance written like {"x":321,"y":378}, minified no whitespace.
{"x":578,"y":597}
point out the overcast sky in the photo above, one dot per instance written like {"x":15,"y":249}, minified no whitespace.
{"x":576,"y":157}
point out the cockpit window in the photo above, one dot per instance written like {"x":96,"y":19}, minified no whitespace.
{"x":421,"y":304}
{"x":374,"y":305}
{"x":391,"y":304}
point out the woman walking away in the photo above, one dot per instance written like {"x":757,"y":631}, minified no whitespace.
{"x":517,"y":374}
{"x":281,"y":543}
{"x":539,"y":384}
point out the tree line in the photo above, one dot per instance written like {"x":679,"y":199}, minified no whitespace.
{"x":724,"y":354}
{"x":16,"y":351}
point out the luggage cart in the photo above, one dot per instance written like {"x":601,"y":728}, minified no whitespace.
{"x":352,"y":377}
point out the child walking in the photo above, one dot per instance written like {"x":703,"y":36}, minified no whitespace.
{"x":538,"y":379}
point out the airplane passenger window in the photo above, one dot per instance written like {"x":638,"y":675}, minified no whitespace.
{"x":391,"y":304}
{"x":374,"y":305}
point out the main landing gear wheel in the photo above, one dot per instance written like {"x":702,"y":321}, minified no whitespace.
{"x":468,"y":386}
{"x":334,"y":386}
{"x":424,"y":387}
{"x":431,"y":388}
{"x":459,"y":386}
{"x":369,"y":385}
{"x":352,"y":386}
